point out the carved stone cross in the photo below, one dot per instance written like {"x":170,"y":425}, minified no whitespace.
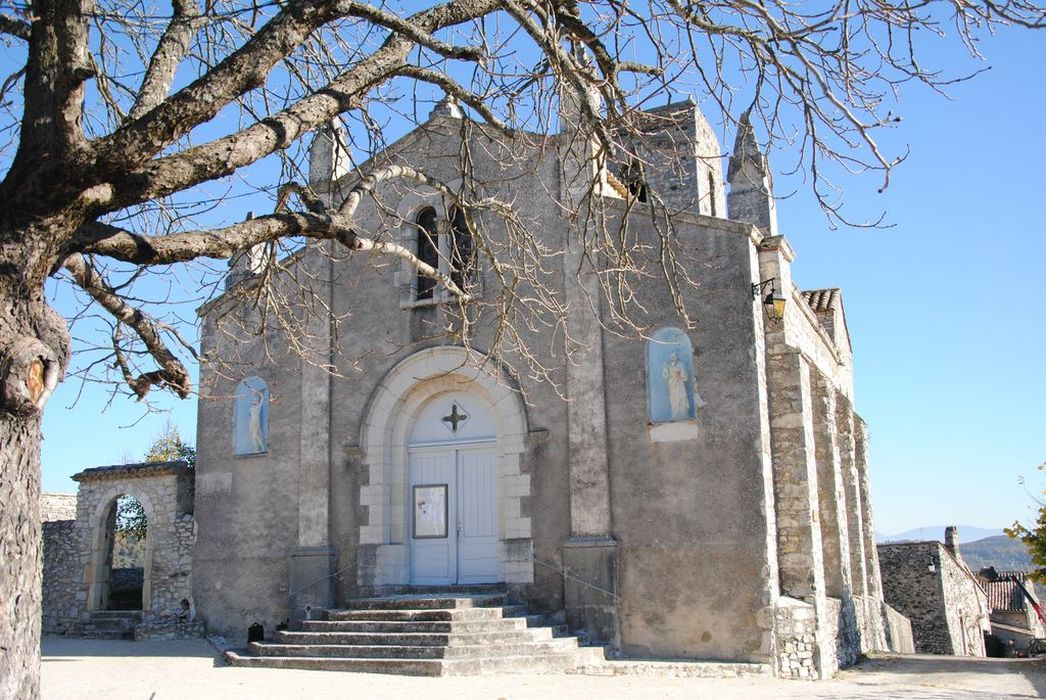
{"x":455,"y":418}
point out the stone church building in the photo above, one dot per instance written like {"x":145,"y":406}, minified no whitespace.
{"x":701,"y":492}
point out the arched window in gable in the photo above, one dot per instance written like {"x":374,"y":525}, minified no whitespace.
{"x":636,"y":183}
{"x":463,"y":251}
{"x":428,"y":251}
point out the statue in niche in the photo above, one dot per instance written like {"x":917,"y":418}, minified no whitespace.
{"x":251,"y":417}
{"x":670,"y":377}
{"x":676,"y":376}
{"x":254,"y":424}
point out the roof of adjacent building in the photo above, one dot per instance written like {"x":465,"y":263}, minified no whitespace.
{"x":1004,"y":595}
{"x":824,"y":303}
{"x":822,"y":299}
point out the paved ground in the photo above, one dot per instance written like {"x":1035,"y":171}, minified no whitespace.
{"x":190,"y":670}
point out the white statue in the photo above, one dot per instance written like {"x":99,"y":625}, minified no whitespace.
{"x":254,"y":422}
{"x":676,"y":376}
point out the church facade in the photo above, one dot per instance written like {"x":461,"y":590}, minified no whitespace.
{"x":696,"y":490}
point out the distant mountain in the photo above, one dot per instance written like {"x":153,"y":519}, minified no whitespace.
{"x":967,"y":533}
{"x":1003,"y":553}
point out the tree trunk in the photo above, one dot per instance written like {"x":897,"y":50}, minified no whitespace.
{"x":34,"y":349}
{"x":20,"y":562}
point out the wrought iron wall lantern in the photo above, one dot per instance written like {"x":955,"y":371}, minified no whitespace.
{"x":773,"y":298}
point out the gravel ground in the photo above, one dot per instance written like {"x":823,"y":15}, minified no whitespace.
{"x":77,"y":668}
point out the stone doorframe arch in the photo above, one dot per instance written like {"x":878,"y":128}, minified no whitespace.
{"x":384,"y":432}
{"x":96,"y":576}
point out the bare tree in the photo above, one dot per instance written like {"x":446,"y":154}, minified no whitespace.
{"x":130,"y":124}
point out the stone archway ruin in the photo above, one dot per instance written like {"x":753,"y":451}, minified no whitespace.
{"x":76,"y":572}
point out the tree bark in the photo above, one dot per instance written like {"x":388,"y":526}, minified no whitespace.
{"x":34,"y":351}
{"x":20,"y":562}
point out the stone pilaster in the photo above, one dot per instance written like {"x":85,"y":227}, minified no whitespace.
{"x":799,"y":550}
{"x":312,"y":563}
{"x":854,"y":518}
{"x":590,"y":555}
{"x":835,"y":536}
{"x":875,"y":626}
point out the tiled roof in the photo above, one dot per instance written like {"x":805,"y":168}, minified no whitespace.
{"x":822,"y":299}
{"x":1004,"y":596}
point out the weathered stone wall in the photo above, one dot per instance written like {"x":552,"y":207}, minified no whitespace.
{"x":847,"y":632}
{"x":966,"y":606}
{"x":692,"y":511}
{"x":898,"y":631}
{"x":821,"y":495}
{"x":682,"y":159}
{"x":63,"y":594}
{"x":947,"y":609}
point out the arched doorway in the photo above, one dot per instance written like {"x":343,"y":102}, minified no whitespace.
{"x":453,"y":496}
{"x":408,"y":440}
{"x":122,"y":556}
{"x":126,"y":558}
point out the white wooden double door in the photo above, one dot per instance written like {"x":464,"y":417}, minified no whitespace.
{"x":466,"y":548}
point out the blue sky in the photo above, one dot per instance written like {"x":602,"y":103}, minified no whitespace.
{"x":944,"y":309}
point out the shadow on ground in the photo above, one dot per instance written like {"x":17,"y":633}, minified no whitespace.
{"x":931,"y":670}
{"x":54,"y":648}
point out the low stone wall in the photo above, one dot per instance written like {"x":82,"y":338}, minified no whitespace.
{"x":898,"y":631}
{"x":165,"y":631}
{"x":57,"y":506}
{"x":796,"y":625}
{"x":63,"y":594}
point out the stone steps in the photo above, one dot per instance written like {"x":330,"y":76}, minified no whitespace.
{"x":388,"y":651}
{"x":108,"y":624}
{"x":423,"y":602}
{"x":400,"y":626}
{"x":555,"y":663}
{"x":436,"y":615}
{"x":135,"y":615}
{"x":451,"y":639}
{"x":438,"y":634}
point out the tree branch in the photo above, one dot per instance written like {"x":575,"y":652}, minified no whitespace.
{"x":172,"y":372}
{"x":119,"y":244}
{"x":248,"y":67}
{"x":185,"y":21}
{"x":453,"y":88}
{"x":13,"y":26}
